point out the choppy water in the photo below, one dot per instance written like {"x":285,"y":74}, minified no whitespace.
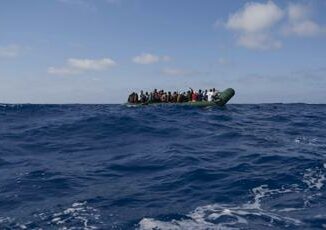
{"x":162,"y":167}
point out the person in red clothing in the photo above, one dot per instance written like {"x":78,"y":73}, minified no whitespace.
{"x":194,"y":95}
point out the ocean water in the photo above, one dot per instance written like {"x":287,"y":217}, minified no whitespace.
{"x":163,"y":167}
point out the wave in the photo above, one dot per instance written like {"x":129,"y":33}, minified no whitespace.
{"x":166,"y":167}
{"x":253,"y":214}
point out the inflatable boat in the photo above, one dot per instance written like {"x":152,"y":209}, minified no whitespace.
{"x":222,"y":99}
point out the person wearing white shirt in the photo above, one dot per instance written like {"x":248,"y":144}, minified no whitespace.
{"x":210,"y":95}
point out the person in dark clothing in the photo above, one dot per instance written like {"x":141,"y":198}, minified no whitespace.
{"x":200,"y":95}
{"x":169,"y":97}
{"x":205,"y":95}
{"x":131,"y":98}
{"x":135,"y":98}
{"x":189,"y":94}
{"x":142,"y":97}
{"x":174,"y":97}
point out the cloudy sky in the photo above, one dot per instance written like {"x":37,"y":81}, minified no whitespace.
{"x":97,"y":51}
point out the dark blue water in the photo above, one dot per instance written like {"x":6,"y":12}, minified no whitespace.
{"x":162,"y":167}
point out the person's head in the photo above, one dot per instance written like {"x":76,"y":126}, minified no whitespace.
{"x":199,"y":91}
{"x":155,"y":90}
{"x":146,"y":93}
{"x":210,"y":90}
{"x":141,"y":91}
{"x":205,"y":90}
{"x":213,"y":89}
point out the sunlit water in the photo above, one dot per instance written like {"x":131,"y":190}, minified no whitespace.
{"x":162,"y":167}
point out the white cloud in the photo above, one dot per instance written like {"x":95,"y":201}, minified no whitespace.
{"x":89,"y":64}
{"x":259,"y":41}
{"x":255,"y":17}
{"x":10,"y":51}
{"x":63,"y":71}
{"x":177,"y":72}
{"x":147,"y":58}
{"x":297,"y":12}
{"x":254,"y":22}
{"x":257,"y":25}
{"x":77,"y":66}
{"x":305,"y":28}
{"x":300,"y":23}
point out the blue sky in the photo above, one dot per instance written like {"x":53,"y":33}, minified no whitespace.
{"x":97,"y":51}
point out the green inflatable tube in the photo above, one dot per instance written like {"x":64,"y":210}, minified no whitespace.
{"x":223,"y":98}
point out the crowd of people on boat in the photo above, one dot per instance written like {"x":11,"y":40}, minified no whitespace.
{"x":161,"y":96}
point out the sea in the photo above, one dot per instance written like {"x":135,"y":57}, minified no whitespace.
{"x":242,"y":166}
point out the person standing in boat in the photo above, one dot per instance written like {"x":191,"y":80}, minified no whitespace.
{"x":174,"y":97}
{"x":169,"y":97}
{"x":205,"y":95}
{"x":188,"y":96}
{"x":146,"y":97}
{"x":180,"y":98}
{"x":210,"y":95}
{"x":200,"y":95}
{"x":194,"y":95}
{"x":163,"y":96}
{"x":216,"y":94}
{"x":156,"y":96}
{"x":130,"y":97}
{"x":142,"y":96}
{"x":150,"y":97}
{"x":135,"y":98}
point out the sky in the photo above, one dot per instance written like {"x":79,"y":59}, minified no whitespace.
{"x":98,"y":51}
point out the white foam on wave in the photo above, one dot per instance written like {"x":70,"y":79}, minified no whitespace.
{"x":9,"y":223}
{"x":4,"y":219}
{"x":313,"y":141}
{"x":78,"y":216}
{"x":219,"y":216}
{"x":314,"y":178}
{"x":263,"y":191}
